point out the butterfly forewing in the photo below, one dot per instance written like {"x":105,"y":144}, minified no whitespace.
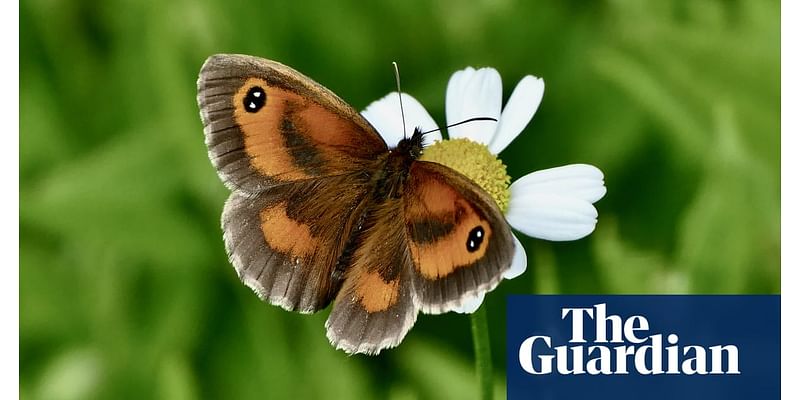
{"x":266,"y":125}
{"x":459,"y":242}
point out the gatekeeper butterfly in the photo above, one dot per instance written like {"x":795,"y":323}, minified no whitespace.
{"x":322,"y":210}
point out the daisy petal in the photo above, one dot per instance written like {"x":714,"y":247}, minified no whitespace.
{"x":454,"y":97}
{"x":469,"y":306}
{"x":520,"y":261}
{"x":479,"y":94}
{"x":519,"y":110}
{"x":579,"y":181}
{"x":551,"y":217}
{"x":385,"y":116}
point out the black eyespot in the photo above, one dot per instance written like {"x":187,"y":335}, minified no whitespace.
{"x":475,"y":239}
{"x":255,"y":99}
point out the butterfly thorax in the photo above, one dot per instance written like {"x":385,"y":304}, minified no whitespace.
{"x":410,"y":148}
{"x":389,"y":181}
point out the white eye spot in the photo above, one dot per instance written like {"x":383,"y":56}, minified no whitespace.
{"x":252,"y":105}
{"x":257,"y":94}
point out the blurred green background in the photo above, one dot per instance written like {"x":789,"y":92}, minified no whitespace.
{"x":125,"y":289}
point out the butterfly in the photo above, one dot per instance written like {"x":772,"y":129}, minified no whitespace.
{"x":323,"y":211}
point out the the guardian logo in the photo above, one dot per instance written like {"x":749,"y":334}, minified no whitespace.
{"x":632,"y":347}
{"x":620,"y":346}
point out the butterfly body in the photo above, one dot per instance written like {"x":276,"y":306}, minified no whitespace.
{"x":386,"y":183}
{"x":323,"y":211}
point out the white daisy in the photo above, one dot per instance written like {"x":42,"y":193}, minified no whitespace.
{"x":552,"y":204}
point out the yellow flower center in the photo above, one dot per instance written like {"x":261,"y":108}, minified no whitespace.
{"x":476,"y":162}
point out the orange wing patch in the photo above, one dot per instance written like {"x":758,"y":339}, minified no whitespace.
{"x":263,"y":140}
{"x":433,"y":198}
{"x":286,"y":235}
{"x":374,"y":293}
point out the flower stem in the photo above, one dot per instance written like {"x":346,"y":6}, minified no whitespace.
{"x":483,"y":352}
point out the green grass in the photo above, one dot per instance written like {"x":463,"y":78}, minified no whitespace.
{"x":125,"y":289}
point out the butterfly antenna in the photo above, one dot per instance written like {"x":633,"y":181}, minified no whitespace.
{"x":462,"y":122}
{"x":400,"y":94}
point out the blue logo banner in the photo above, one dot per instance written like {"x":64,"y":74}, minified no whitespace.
{"x":643,"y":347}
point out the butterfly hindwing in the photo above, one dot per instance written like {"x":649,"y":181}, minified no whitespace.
{"x":375,"y":306}
{"x":267,"y":124}
{"x":285,"y":243}
{"x":459,"y":242}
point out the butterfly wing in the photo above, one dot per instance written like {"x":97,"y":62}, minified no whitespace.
{"x":459,"y":242}
{"x":375,"y":307}
{"x":285,"y":243}
{"x":413,"y":254}
{"x":267,"y":124}
{"x":300,"y":163}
